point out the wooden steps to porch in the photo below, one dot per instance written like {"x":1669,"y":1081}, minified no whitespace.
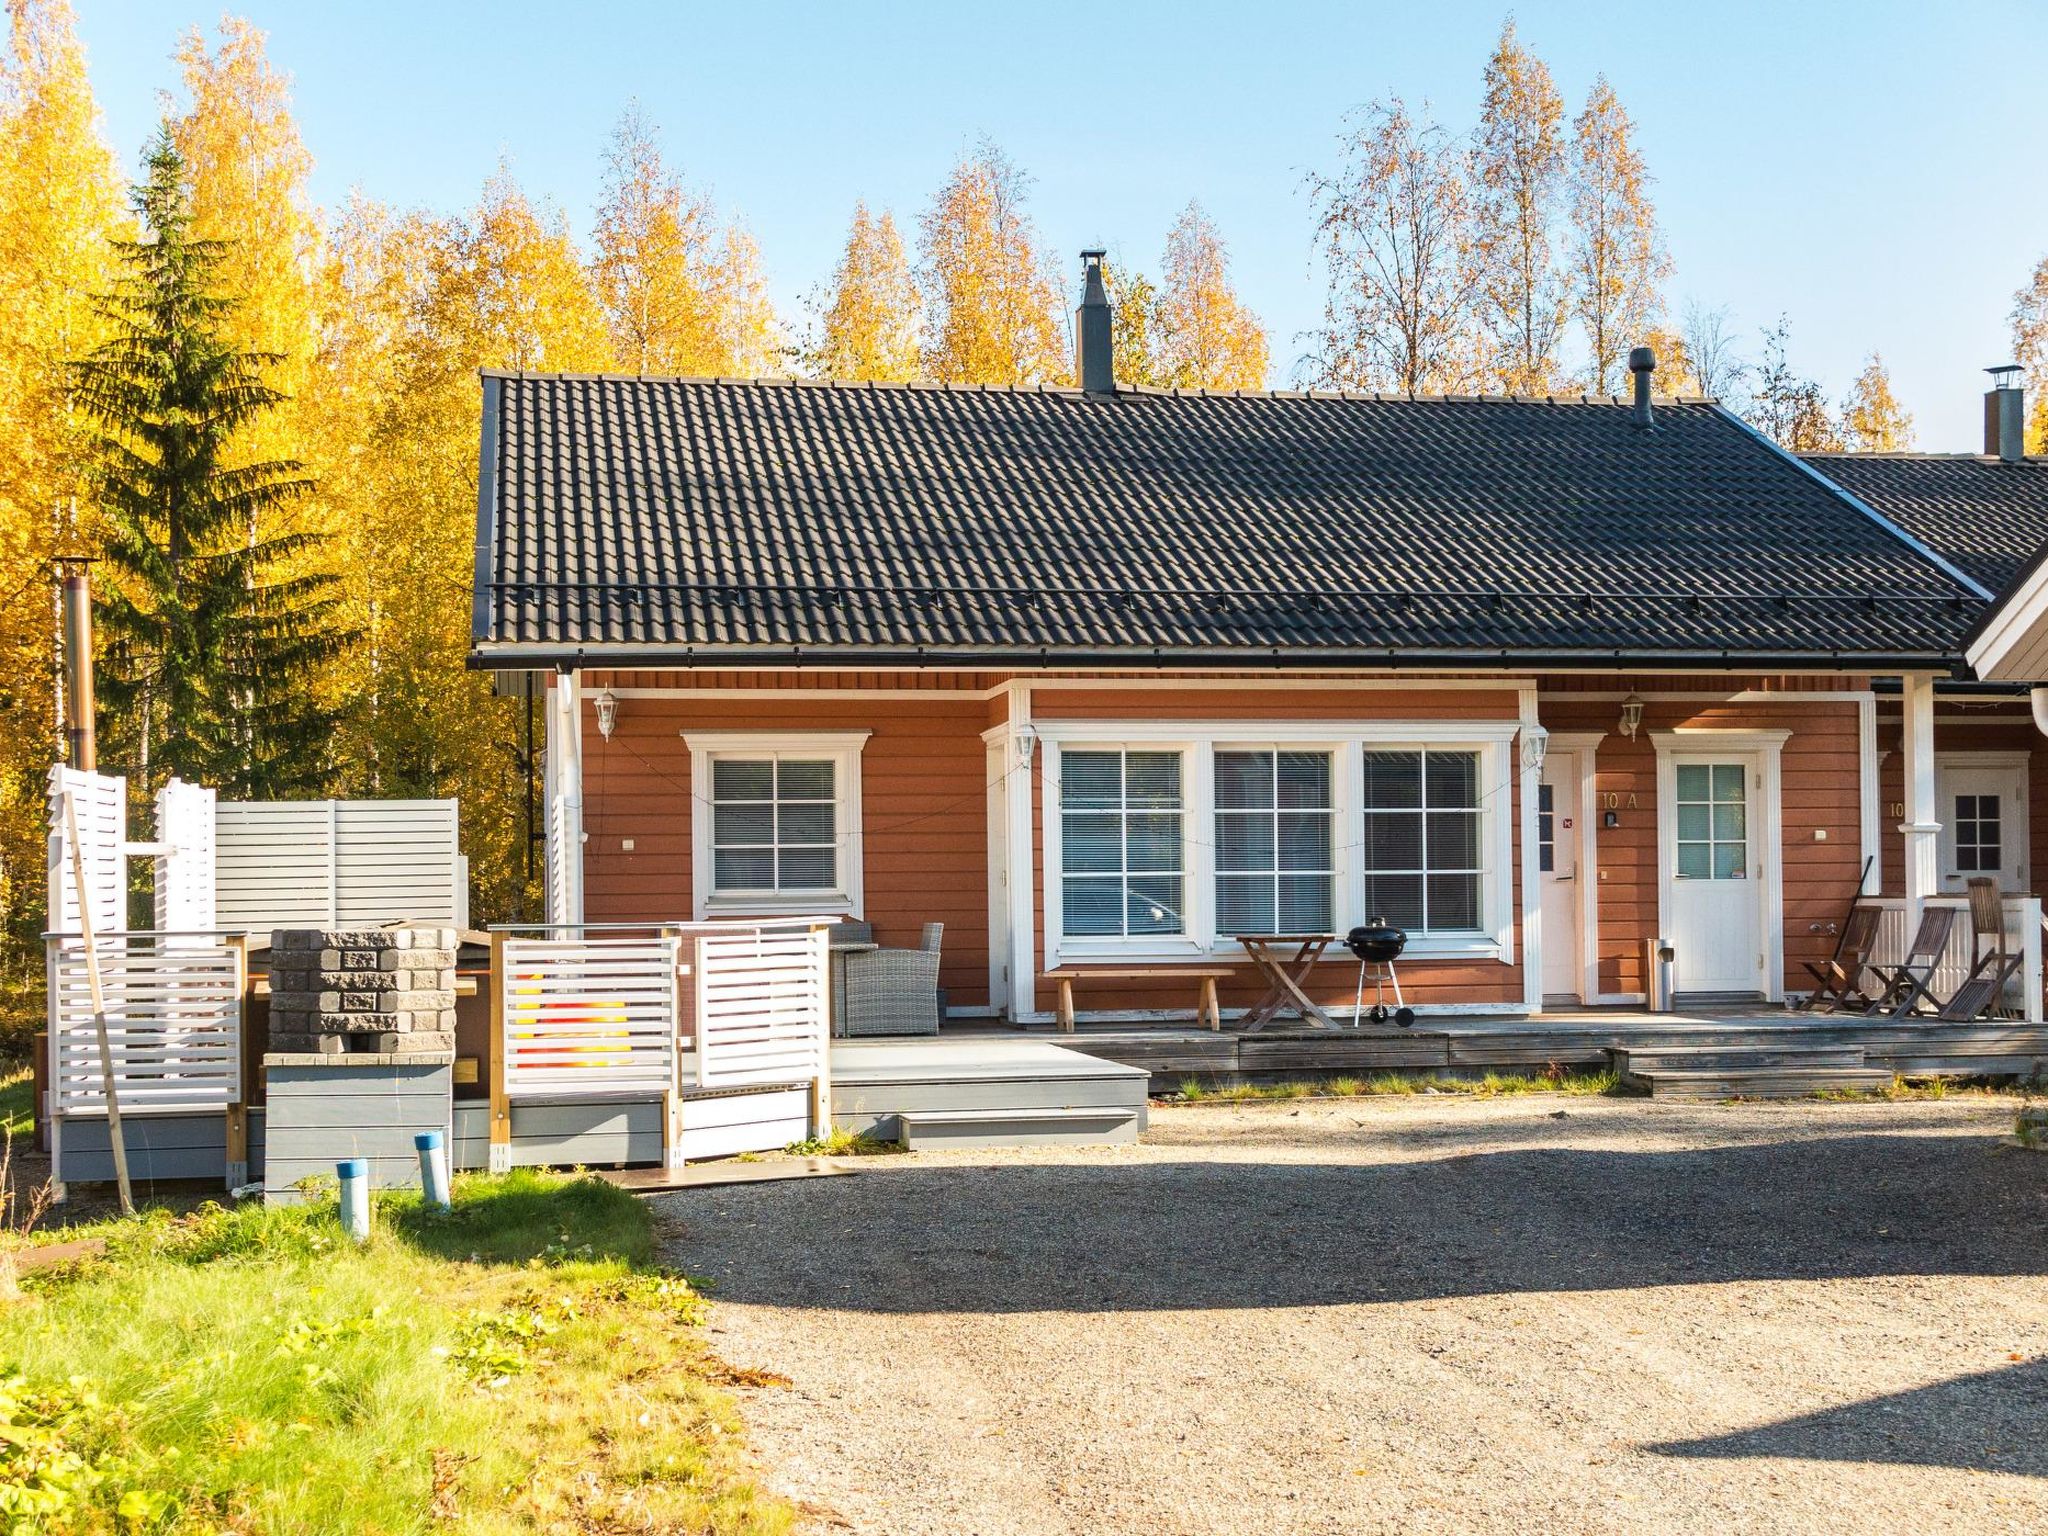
{"x":1790,"y":1070}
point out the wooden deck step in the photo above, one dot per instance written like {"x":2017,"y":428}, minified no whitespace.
{"x":1758,"y":1082}
{"x":1632,"y":1061}
{"x":1091,"y":1126}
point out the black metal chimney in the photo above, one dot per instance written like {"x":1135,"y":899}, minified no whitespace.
{"x":1642,"y":364}
{"x":2005,"y":414}
{"x":1094,"y":367}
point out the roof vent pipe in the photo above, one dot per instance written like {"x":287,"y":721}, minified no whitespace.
{"x":1094,"y":366}
{"x":2005,"y":414}
{"x":1642,"y":364}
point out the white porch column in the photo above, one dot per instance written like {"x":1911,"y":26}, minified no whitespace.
{"x":1922,"y":825}
{"x":563,"y":800}
{"x":1021,"y":756}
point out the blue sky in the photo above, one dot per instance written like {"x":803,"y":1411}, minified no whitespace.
{"x":1873,"y":170}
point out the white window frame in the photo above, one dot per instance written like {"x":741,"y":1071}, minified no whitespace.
{"x":1346,"y":741}
{"x":844,"y":749}
{"x":1334,"y":812}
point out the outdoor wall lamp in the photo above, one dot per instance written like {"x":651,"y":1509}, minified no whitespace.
{"x":607,"y":713}
{"x":1535,"y":746}
{"x":1631,"y":716}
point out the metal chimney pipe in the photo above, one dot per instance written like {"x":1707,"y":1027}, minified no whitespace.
{"x":81,"y":744}
{"x":2005,"y":414}
{"x":1642,"y":364}
{"x":1094,"y":364}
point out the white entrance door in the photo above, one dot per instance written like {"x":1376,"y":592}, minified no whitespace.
{"x":1557,"y":848}
{"x":1983,"y":823}
{"x":1716,"y":888}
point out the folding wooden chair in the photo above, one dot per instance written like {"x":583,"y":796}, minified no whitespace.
{"x":1903,"y":987}
{"x":1839,"y":980}
{"x":1983,"y":990}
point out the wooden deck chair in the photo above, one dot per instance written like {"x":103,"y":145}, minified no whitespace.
{"x":1983,"y":990}
{"x":1903,"y":987}
{"x":1838,"y":982}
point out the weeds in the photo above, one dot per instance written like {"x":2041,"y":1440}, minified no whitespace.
{"x":1493,"y":1085}
{"x":840,"y":1142}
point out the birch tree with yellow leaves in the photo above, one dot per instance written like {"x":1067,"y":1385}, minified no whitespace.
{"x":1518,"y":181}
{"x":992,"y":301}
{"x":866,"y":325}
{"x":60,"y":200}
{"x":682,"y":291}
{"x":1618,"y":262}
{"x":1873,"y":420}
{"x":1207,"y":338}
{"x":2030,"y":351}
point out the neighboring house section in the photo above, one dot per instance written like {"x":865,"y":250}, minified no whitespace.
{"x":1114,"y":678}
{"x":1988,"y":515}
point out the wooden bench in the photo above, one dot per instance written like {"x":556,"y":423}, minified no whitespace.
{"x":1207,"y":1010}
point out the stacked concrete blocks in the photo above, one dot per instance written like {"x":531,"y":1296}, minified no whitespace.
{"x":385,"y":991}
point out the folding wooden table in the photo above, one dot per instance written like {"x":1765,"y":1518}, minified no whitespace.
{"x":1284,"y":977}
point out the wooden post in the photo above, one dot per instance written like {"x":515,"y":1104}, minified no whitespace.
{"x":115,"y":1141}
{"x":1066,"y":1005}
{"x":672,"y":1101}
{"x":238,"y":1111}
{"x":821,"y":1084}
{"x":496,"y":1043}
{"x":1211,"y":1009}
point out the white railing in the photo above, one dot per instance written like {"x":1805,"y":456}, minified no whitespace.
{"x":174,"y":1022}
{"x":2023,"y":995}
{"x":760,"y":1014}
{"x":589,"y":1012}
{"x":621,"y":1009}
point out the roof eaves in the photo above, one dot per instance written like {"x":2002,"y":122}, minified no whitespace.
{"x":481,"y":604}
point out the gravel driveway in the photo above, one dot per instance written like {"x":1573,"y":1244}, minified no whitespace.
{"x":1548,"y":1315}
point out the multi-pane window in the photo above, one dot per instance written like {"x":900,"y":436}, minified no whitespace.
{"x":774,"y":824}
{"x":1980,"y":835}
{"x":1122,"y":843}
{"x":1422,"y":856}
{"x":1546,"y":827}
{"x":1274,"y":849}
{"x":1713,"y":821}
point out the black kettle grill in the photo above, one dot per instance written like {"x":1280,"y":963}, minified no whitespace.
{"x":1378,"y":944}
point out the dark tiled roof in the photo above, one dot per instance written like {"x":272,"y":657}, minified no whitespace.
{"x":760,"y":518}
{"x":1987,"y":516}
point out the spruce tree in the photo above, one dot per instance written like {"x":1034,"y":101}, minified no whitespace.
{"x":211,"y":630}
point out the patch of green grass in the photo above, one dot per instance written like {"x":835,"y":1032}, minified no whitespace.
{"x":1491,"y":1086}
{"x":1907,"y":1090}
{"x":515,"y":1364}
{"x":840,"y":1142}
{"x":17,"y":1099}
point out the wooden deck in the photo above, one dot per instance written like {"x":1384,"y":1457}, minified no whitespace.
{"x":1578,"y":1040}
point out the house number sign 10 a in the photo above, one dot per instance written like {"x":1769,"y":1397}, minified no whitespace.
{"x":1613,"y":800}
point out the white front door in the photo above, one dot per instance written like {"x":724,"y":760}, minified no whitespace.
{"x":1557,"y":849}
{"x":1983,"y":823}
{"x":1717,"y":886}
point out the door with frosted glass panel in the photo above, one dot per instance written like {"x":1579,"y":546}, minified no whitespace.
{"x":1716,"y":885}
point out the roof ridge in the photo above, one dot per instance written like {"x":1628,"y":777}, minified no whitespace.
{"x":935,"y":386}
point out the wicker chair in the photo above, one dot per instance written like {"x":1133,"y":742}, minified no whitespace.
{"x":895,"y":991}
{"x":852,"y":931}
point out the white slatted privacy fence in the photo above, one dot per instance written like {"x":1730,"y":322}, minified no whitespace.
{"x":2023,"y":996}
{"x":337,"y":863}
{"x":100,"y":804}
{"x":185,"y":867}
{"x":595,"y":1014}
{"x":760,"y":1013}
{"x":174,"y":1022}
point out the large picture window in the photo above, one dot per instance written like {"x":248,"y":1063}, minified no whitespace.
{"x":774,"y":825}
{"x":1422,"y":846}
{"x":1274,"y":850}
{"x":1122,"y":843}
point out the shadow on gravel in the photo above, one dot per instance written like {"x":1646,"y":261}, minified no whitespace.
{"x":1010,"y":1237}
{"x":1988,"y":1422}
